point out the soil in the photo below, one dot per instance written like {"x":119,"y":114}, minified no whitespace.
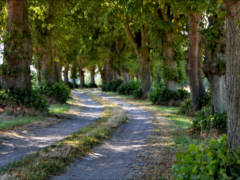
{"x":115,"y":157}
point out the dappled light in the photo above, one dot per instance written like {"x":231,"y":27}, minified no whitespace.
{"x":18,"y":144}
{"x":119,"y":89}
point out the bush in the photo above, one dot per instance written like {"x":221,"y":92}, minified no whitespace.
{"x":123,"y":89}
{"x":138,"y":93}
{"x":133,"y":88}
{"x":182,"y":94}
{"x":21,"y":98}
{"x":205,"y":100}
{"x":162,"y":95}
{"x":186,"y":107}
{"x":92,"y":85}
{"x":112,"y":85}
{"x":205,"y":120}
{"x":212,"y":161}
{"x":59,"y":91}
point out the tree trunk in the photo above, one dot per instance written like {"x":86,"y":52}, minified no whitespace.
{"x":214,"y":64}
{"x":82,"y":78}
{"x":38,"y":68}
{"x":92,"y":74}
{"x":140,"y":44}
{"x":108,"y":72}
{"x":17,"y":48}
{"x":194,"y":64}
{"x":126,"y":78}
{"x":145,"y":73}
{"x":74,"y":74}
{"x":170,"y":65}
{"x":65,"y":74}
{"x":233,"y":69}
{"x":218,"y":93}
{"x":103,"y":77}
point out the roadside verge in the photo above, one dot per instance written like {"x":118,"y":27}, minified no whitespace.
{"x":54,"y":159}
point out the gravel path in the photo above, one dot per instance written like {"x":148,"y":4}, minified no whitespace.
{"x":26,"y":142}
{"x":114,"y":158}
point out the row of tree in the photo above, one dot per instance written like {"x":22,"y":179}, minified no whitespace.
{"x":152,"y":40}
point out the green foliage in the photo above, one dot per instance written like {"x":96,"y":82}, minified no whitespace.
{"x":205,"y":120}
{"x":186,"y":107}
{"x":91,"y":85}
{"x":212,"y":161}
{"x":133,"y":88}
{"x":138,"y":93}
{"x":112,"y":85}
{"x":23,"y":98}
{"x":59,"y":91}
{"x":162,"y":95}
{"x":205,"y":100}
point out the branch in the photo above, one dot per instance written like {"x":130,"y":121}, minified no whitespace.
{"x":131,"y":39}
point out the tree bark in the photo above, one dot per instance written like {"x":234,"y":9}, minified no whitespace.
{"x":143,"y":54}
{"x":215,"y":64}
{"x":65,"y":74}
{"x":126,"y":78}
{"x":218,"y":93}
{"x":74,"y":74}
{"x":17,"y":48}
{"x":50,"y":68}
{"x":145,"y":73}
{"x":170,"y":72}
{"x":82,"y":77}
{"x":92,"y":74}
{"x":170,"y":68}
{"x":233,"y":75}
{"x":108,"y":72}
{"x":193,"y":63}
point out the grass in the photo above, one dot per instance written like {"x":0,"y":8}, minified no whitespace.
{"x":54,"y":159}
{"x":8,"y":122}
{"x":59,"y":108}
{"x":18,"y":121}
{"x":170,"y":134}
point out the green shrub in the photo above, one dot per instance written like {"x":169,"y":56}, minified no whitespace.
{"x":112,"y":85}
{"x":133,"y":88}
{"x":21,"y":98}
{"x":59,"y":91}
{"x":92,"y":85}
{"x":212,"y":161}
{"x":138,"y":93}
{"x":205,"y":120}
{"x":186,"y":107}
{"x":205,"y":100}
{"x":162,"y":95}
{"x":182,"y":94}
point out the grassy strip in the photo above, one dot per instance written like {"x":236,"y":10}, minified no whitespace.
{"x":59,"y":108}
{"x":170,"y":134}
{"x":53,"y":160}
{"x":8,"y":122}
{"x":179,"y":122}
{"x":19,"y":121}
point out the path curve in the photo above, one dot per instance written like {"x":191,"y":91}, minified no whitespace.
{"x":114,"y":158}
{"x":12,"y":149}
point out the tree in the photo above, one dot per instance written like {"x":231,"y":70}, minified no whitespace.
{"x":233,"y":69}
{"x":17,"y":48}
{"x":215,"y":56}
